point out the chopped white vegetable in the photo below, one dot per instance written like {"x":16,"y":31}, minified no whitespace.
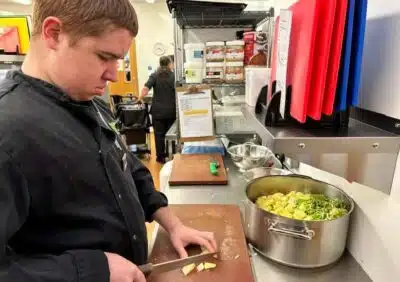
{"x":237,"y":256}
{"x":200,"y":267}
{"x":188,"y":268}
{"x":209,"y":265}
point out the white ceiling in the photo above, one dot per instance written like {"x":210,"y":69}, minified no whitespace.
{"x":20,"y":2}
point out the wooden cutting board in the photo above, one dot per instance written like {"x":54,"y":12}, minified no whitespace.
{"x":195,"y":170}
{"x":225,"y":222}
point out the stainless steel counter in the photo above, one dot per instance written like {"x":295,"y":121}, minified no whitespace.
{"x":347,"y":269}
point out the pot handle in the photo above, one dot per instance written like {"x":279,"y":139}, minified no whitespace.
{"x":304,"y":234}
{"x":242,"y":207}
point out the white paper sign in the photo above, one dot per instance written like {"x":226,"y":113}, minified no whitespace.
{"x":285,"y":25}
{"x":195,"y":114}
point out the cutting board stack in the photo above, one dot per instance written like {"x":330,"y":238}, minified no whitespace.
{"x":324,"y":58}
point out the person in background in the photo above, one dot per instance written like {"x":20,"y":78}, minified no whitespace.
{"x":163,"y":108}
{"x":73,"y":198}
{"x":172,"y":57}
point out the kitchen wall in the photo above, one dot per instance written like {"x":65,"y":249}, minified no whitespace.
{"x":155,"y":27}
{"x":381,"y":66}
{"x":17,"y":9}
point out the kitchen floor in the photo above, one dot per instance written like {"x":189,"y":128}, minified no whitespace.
{"x":154,"y":168}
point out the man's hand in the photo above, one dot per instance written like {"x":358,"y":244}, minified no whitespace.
{"x":122,"y":270}
{"x":144,"y":93}
{"x":182,"y":236}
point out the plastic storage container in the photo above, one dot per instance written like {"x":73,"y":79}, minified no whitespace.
{"x":256,"y":78}
{"x":194,"y":52}
{"x":234,"y":51}
{"x":194,"y":72}
{"x":215,"y":72}
{"x":215,"y":51}
{"x":234,"y":72}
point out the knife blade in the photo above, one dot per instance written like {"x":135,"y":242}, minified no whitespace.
{"x":149,"y":268}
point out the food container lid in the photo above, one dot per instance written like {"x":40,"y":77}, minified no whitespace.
{"x":215,"y":43}
{"x":194,"y":45}
{"x":249,"y":32}
{"x":234,"y":64}
{"x":215,"y":65}
{"x":193,"y":65}
{"x":235,"y":43}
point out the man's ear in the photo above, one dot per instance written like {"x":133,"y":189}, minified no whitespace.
{"x":51,"y":30}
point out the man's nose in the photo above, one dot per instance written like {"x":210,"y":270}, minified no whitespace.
{"x":111,"y":73}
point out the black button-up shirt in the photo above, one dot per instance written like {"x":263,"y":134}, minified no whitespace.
{"x":69,"y":189}
{"x":163,"y":105}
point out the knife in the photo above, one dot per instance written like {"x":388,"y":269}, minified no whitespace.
{"x":150,"y":268}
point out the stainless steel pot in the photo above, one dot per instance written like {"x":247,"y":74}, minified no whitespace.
{"x":305,"y":244}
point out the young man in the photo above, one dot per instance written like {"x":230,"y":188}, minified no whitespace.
{"x":73,"y":200}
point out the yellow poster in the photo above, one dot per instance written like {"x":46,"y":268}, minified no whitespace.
{"x":23,"y":30}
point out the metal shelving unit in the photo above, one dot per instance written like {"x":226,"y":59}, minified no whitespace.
{"x":211,"y":21}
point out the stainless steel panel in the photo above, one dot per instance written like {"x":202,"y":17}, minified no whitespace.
{"x":359,"y":137}
{"x":363,"y":153}
{"x":373,"y":170}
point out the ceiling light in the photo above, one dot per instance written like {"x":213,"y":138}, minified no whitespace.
{"x":23,"y":2}
{"x":151,"y":1}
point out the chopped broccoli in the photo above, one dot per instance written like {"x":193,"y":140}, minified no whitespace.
{"x":303,"y":206}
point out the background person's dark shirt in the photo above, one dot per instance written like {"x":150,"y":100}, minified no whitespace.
{"x":65,"y":196}
{"x":163,"y":105}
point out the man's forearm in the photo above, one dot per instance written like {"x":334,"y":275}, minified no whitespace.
{"x":167,"y":219}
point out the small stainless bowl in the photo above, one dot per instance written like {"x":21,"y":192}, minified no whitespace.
{"x":248,"y":155}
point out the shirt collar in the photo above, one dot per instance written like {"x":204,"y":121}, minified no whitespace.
{"x":44,"y":87}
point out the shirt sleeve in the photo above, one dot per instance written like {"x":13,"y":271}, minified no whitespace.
{"x":71,"y":266}
{"x":151,"y":82}
{"x":150,"y":199}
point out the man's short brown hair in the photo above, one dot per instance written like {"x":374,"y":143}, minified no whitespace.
{"x":82,"y":18}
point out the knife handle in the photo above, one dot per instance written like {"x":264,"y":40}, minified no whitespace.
{"x":214,"y":168}
{"x":146,"y":269}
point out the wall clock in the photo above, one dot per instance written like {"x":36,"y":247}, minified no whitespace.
{"x":159,"y":49}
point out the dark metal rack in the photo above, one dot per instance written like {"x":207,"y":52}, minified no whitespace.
{"x":198,"y":14}
{"x":336,"y":122}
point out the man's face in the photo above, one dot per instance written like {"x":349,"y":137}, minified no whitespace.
{"x":83,"y":69}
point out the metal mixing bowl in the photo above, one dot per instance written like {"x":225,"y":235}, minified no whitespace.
{"x":248,"y":155}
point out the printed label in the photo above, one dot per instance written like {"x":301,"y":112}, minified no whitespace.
{"x":198,"y":54}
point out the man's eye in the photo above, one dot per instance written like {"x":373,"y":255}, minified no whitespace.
{"x":103,"y":58}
